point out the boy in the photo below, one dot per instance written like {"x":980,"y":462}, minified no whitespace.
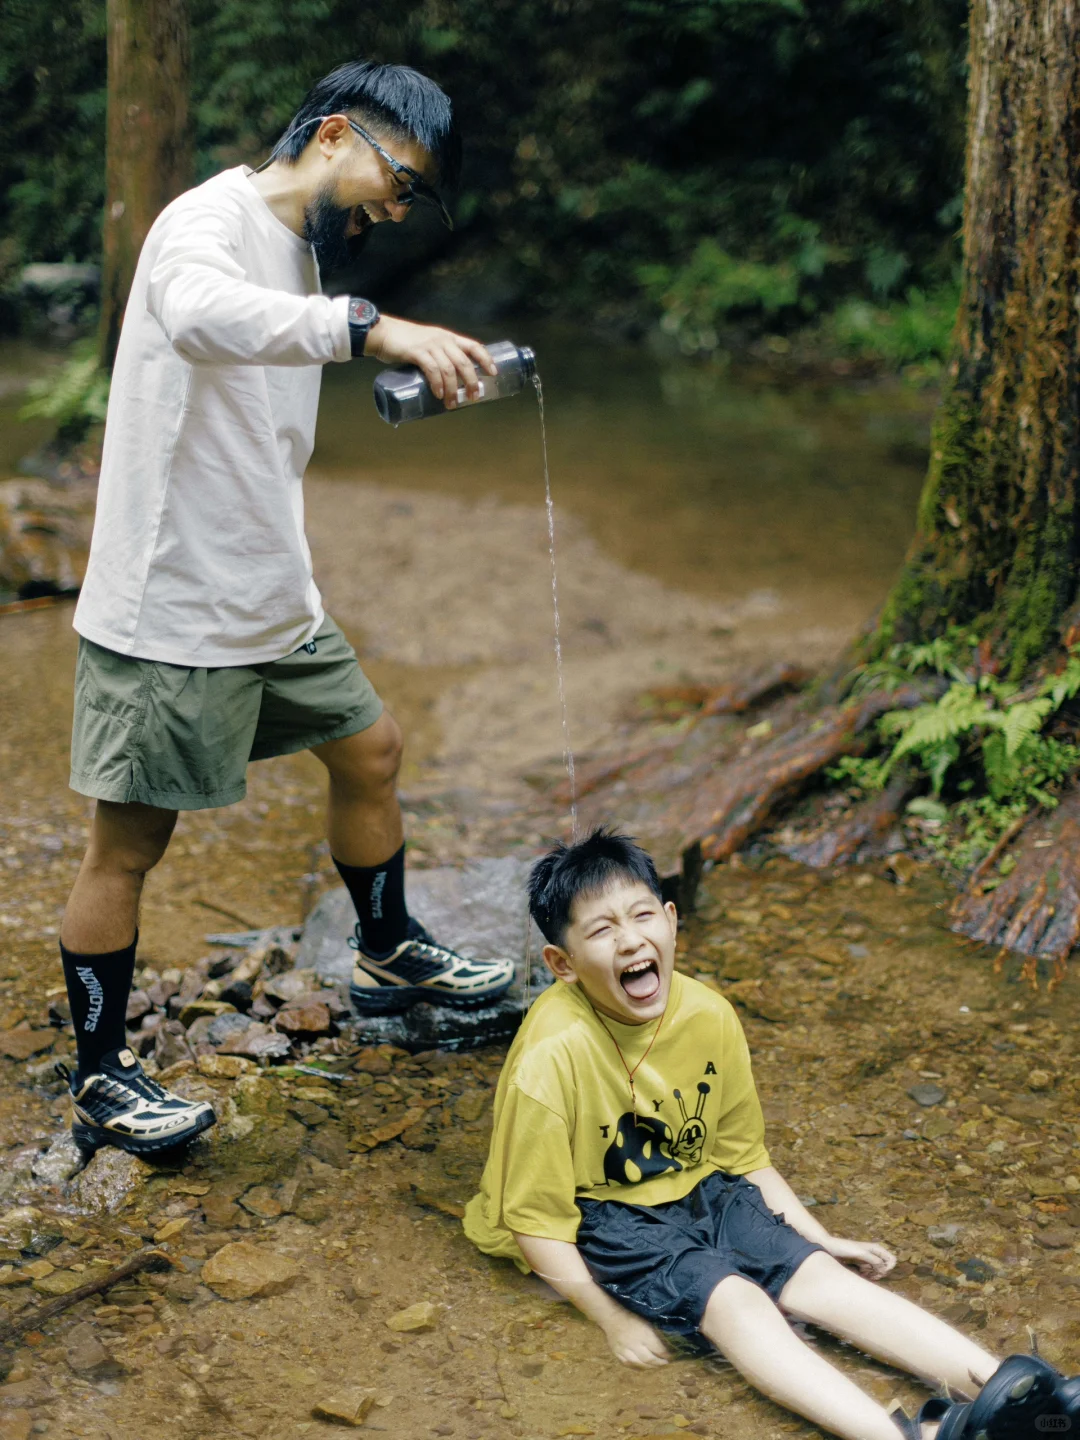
{"x":628,"y":1168}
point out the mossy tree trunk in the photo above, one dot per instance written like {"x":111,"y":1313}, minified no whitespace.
{"x":148,"y":144}
{"x":998,"y":534}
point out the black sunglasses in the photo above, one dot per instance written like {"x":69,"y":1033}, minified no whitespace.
{"x":417,"y":188}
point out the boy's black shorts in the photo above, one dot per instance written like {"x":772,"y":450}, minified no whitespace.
{"x":664,"y":1261}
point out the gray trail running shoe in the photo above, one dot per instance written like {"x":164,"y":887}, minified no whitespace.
{"x":419,"y":969}
{"x":119,"y":1104}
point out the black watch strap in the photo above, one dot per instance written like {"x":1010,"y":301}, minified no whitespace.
{"x":362,"y":316}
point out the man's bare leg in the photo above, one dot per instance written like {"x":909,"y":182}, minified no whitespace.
{"x":363,"y":820}
{"x":749,"y":1330}
{"x":111,"y":1103}
{"x":886,"y":1325}
{"x":125,"y":842}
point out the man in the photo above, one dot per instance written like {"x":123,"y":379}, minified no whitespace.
{"x":203,"y":641}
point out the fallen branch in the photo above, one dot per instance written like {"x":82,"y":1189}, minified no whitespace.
{"x":33,"y":1319}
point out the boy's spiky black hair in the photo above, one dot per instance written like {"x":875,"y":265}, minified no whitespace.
{"x":585,"y":868}
{"x":396,"y":100}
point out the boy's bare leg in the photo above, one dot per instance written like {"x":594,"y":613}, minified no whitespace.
{"x":886,"y":1325}
{"x":749,"y":1330}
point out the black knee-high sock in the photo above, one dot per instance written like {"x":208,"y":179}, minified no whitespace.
{"x":98,"y":987}
{"x":378,"y":892}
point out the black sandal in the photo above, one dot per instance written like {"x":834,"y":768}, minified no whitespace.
{"x":1022,"y":1390}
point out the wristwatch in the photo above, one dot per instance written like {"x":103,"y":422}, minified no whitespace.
{"x":362,"y":316}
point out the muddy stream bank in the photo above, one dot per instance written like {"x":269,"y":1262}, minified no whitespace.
{"x":702,"y":528}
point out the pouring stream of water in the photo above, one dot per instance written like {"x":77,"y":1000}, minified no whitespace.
{"x":568,"y":754}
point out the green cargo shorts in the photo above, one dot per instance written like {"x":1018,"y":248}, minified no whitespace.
{"x":181,"y":738}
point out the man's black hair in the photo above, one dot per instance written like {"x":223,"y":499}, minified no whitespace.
{"x":586,"y":868}
{"x":395,"y":101}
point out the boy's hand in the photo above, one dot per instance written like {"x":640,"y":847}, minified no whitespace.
{"x":635,"y":1342}
{"x":449,"y":361}
{"x":873,"y":1259}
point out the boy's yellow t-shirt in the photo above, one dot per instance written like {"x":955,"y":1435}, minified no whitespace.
{"x":563,"y":1126}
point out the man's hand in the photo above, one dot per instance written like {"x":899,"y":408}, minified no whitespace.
{"x":634,"y":1341}
{"x":873,"y":1259}
{"x":448,"y":360}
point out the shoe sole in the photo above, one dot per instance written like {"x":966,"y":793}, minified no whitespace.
{"x":91,"y":1138}
{"x":393,"y":999}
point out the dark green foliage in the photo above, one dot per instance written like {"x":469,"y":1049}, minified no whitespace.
{"x":813,"y":147}
{"x":984,"y":745}
{"x":52,"y":130}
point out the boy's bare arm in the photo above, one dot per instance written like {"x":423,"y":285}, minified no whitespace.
{"x":559,"y":1262}
{"x":872,"y":1259}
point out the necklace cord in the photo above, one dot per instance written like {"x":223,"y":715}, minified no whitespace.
{"x":631,"y":1073}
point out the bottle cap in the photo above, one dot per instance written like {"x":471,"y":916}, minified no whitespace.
{"x":528,"y":360}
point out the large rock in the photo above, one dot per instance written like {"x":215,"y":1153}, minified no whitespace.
{"x":110,"y":1177}
{"x":241,"y":1271}
{"x":479,"y":909}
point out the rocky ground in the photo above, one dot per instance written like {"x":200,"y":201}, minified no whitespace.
{"x":317,"y":1272}
{"x":912,"y":1095}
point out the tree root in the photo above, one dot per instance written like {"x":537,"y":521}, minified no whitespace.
{"x":716,"y":785}
{"x":1036,"y":909}
{"x":740,"y":800}
{"x":868,"y":822}
{"x":736,"y":696}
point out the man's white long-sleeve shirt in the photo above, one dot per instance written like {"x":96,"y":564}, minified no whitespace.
{"x":198,"y":555}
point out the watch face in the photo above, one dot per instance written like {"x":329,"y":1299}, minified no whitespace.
{"x":362,"y":312}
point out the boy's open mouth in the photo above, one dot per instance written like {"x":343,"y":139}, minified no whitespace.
{"x":641,"y":980}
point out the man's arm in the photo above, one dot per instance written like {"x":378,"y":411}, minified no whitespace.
{"x":872,"y":1258}
{"x":212,"y":314}
{"x":559,"y":1262}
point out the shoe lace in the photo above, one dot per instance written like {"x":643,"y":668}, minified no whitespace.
{"x":425,"y":947}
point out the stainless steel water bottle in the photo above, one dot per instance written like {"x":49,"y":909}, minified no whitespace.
{"x":403,"y":394}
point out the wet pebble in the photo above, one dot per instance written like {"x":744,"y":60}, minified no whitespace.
{"x":345,"y":1407}
{"x":978,"y":1270}
{"x":421,"y":1316}
{"x":304,"y":1021}
{"x":927,"y":1094}
{"x":87,"y":1356}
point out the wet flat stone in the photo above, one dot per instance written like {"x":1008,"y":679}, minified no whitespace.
{"x":346,"y":1407}
{"x":241,"y":1271}
{"x":479,"y":909}
{"x":21,"y":1044}
{"x":223,"y":1027}
{"x":927,"y":1094}
{"x":304,"y":1021}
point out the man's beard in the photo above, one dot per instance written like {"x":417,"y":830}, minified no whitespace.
{"x":325,"y":224}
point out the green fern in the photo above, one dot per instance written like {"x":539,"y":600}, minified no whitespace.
{"x":1065,"y":686}
{"x":980,"y":724}
{"x":78,"y":393}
